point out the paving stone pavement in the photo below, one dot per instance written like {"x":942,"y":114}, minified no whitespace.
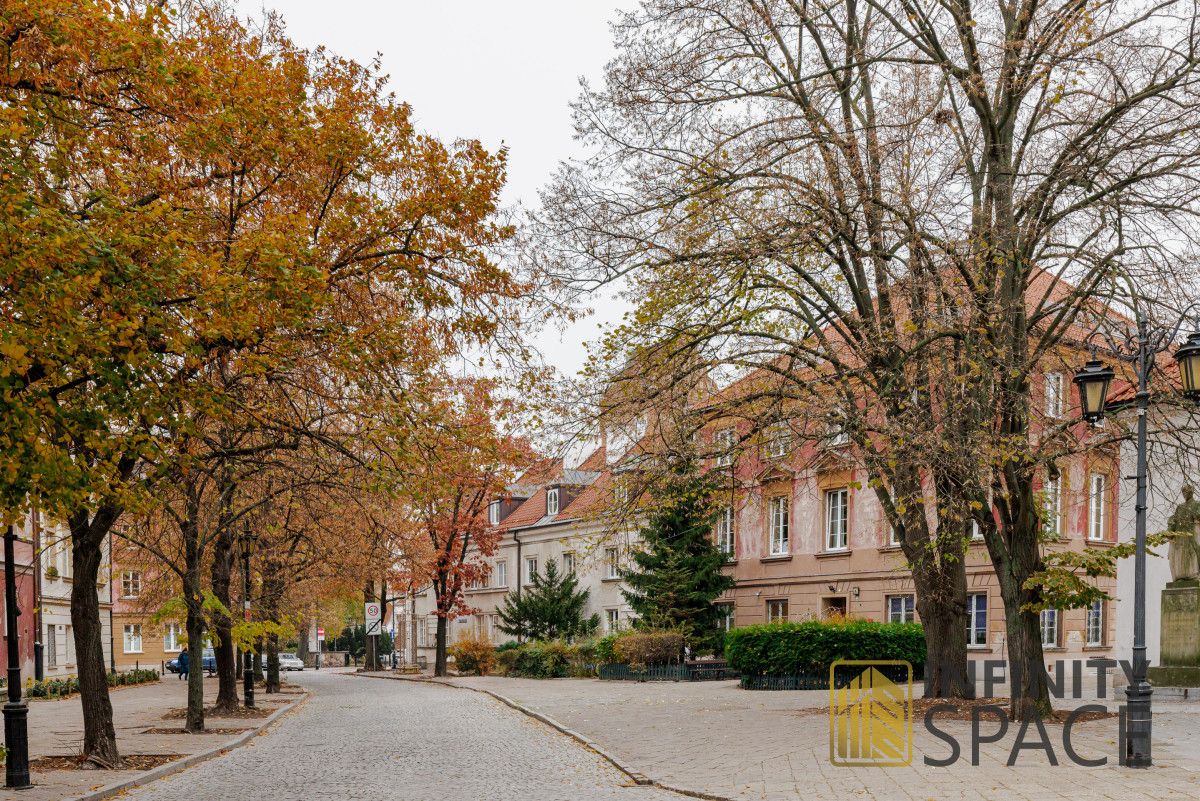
{"x":361,"y":738}
{"x":712,"y":737}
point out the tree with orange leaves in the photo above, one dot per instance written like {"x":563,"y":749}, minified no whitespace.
{"x":461,"y":461}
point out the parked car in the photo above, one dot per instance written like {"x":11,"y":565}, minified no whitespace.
{"x":209,"y":662}
{"x":290,"y":662}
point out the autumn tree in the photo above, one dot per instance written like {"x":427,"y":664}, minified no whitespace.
{"x":901,"y":211}
{"x":186,"y":190}
{"x":459,"y":460}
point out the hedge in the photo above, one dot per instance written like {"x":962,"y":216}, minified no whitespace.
{"x":809,"y":648}
{"x":61,"y":688}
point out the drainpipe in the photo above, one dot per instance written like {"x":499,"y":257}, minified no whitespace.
{"x":35,"y":564}
{"x":517,"y":574}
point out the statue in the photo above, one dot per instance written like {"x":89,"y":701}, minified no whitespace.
{"x":1184,"y":553}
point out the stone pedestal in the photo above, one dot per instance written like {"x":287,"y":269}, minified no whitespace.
{"x":1180,"y":643}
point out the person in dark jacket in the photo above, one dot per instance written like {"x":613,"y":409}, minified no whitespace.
{"x":183,"y":664}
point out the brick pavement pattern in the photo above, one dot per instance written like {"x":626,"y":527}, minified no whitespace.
{"x":56,"y":729}
{"x":374,"y":740}
{"x":713,"y":738}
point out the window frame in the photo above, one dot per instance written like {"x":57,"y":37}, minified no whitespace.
{"x":131,"y":579}
{"x":728,"y":609}
{"x":726,"y":439}
{"x":908,"y":607}
{"x":530,"y":572}
{"x":779,"y":441}
{"x":130,"y":632}
{"x":168,"y":630}
{"x":779,"y":541}
{"x":552,"y":496}
{"x":500,"y":573}
{"x":724,"y":532}
{"x":1095,"y":615}
{"x":775,"y":605}
{"x":1053,"y":391}
{"x":1054,"y":614}
{"x":830,"y":495}
{"x":974,"y":611}
{"x":1097,"y":507}
{"x":1055,"y":502}
{"x":612,"y":619}
{"x":568,"y":562}
{"x":494,"y":513}
{"x":612,"y":562}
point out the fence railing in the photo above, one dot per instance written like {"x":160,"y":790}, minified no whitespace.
{"x":713,"y":670}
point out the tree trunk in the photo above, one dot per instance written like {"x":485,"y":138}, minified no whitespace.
{"x":194,"y":723}
{"x":371,"y":654}
{"x":259,"y":662}
{"x":227,"y":667}
{"x":87,"y":552}
{"x":439,"y":661}
{"x":1028,"y":688}
{"x":272,"y":663}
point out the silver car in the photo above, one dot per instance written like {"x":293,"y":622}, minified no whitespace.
{"x":290,"y":662}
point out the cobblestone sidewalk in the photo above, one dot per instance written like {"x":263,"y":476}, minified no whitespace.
{"x":713,"y":738}
{"x":56,"y":728}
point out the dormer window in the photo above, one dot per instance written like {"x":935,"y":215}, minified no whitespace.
{"x":494,"y":513}
{"x":552,"y":501}
{"x":725,"y":440}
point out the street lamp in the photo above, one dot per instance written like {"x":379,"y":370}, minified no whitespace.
{"x":16,"y":712}
{"x":248,"y":540}
{"x":1093,"y":380}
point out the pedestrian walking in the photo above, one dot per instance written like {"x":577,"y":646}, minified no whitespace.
{"x":183,"y":664}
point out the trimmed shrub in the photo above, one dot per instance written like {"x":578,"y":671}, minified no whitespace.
{"x":605,"y":648}
{"x":507,"y":646}
{"x":473,"y":655}
{"x":790,"y":649}
{"x":537,"y":660}
{"x":639,"y":649}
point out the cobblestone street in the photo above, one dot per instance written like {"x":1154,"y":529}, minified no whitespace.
{"x":403,"y":741}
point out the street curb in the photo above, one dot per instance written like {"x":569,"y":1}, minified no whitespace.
{"x":162,"y":771}
{"x":637,"y":776}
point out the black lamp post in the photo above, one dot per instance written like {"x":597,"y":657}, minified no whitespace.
{"x":248,"y":540}
{"x":16,"y":712}
{"x":1093,"y":380}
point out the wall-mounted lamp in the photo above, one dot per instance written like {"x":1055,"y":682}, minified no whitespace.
{"x":855,"y":592}
{"x":832,"y":587}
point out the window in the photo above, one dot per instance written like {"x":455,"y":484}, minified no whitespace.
{"x":51,"y":645}
{"x":568,"y":563}
{"x":500,"y":574}
{"x":171,"y":637}
{"x":725,"y":617}
{"x":612,"y":619}
{"x":1054,"y":394}
{"x":724,"y":441}
{"x":133,"y":638}
{"x":893,"y":536}
{"x":494,"y":513}
{"x":531,"y":567}
{"x":977,"y":619}
{"x":552,"y":501}
{"x":131,"y":584}
{"x":777,"y":610}
{"x":778,"y":507}
{"x":900,"y":608}
{"x":836,"y":519}
{"x":1052,"y":496}
{"x":1095,"y":623}
{"x":611,"y":569}
{"x":779,"y":441}
{"x":621,"y":492}
{"x":1049,"y":628}
{"x":1096,"y":503}
{"x":837,"y":433}
{"x":725,"y":532}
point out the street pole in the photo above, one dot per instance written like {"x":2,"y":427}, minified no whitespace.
{"x":248,"y":674}
{"x":16,"y":713}
{"x":1138,"y":693}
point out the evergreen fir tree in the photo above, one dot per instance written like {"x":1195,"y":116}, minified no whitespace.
{"x":677,"y":576}
{"x":551,"y":609}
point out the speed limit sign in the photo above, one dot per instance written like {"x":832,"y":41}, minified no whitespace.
{"x":374,"y":617}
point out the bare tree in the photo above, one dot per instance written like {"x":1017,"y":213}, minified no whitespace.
{"x":905,"y":208}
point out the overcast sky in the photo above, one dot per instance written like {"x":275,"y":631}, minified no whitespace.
{"x":501,"y":72}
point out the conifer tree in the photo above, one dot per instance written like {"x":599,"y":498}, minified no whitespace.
{"x":551,"y":609}
{"x":677,"y":576}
